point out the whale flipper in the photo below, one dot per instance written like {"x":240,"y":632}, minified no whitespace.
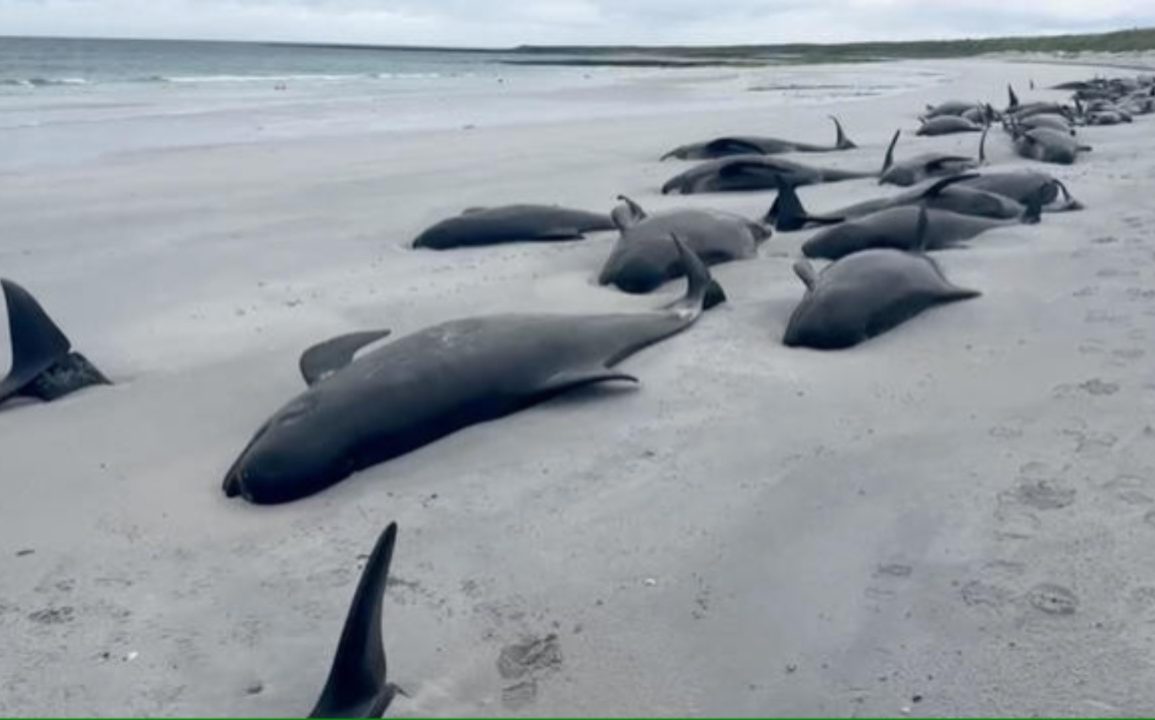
{"x":356,"y":687}
{"x":323,"y":359}
{"x":571,"y":379}
{"x":43,"y":364}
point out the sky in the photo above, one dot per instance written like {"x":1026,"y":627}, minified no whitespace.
{"x":504,"y":23}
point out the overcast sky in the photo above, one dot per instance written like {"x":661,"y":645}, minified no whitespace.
{"x":512,"y":22}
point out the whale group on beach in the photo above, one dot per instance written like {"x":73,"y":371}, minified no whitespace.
{"x":369,"y":397}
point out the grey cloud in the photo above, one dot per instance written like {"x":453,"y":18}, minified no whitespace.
{"x":511,"y":22}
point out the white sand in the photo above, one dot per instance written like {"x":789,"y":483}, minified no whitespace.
{"x":753,"y":530}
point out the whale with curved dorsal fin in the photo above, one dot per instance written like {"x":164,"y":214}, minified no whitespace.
{"x":866,"y":294}
{"x":756,"y":145}
{"x":950,"y":193}
{"x":752,"y":172}
{"x":434,"y":382}
{"x":927,"y":165}
{"x":900,"y":228}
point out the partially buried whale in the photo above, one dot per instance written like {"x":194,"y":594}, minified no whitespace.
{"x":865,"y":294}
{"x":511,"y":223}
{"x":357,"y":685}
{"x":899,"y":228}
{"x":756,"y":145}
{"x":43,"y":363}
{"x":645,"y":255}
{"x":927,"y":165}
{"x":415,"y":390}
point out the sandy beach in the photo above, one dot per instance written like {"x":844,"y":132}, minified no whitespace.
{"x":953,"y":518}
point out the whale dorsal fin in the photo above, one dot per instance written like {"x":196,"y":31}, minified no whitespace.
{"x":1012,"y":98}
{"x":888,"y":159}
{"x":805,"y":272}
{"x":786,"y":213}
{"x":38,"y":344}
{"x":983,"y":145}
{"x":628,"y":214}
{"x":325,"y":358}
{"x":357,"y":686}
{"x":920,"y":230}
{"x":840,"y":140}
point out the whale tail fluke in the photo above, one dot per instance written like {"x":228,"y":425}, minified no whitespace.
{"x":357,"y":687}
{"x":1033,"y":212}
{"x":43,"y":364}
{"x":1070,"y":202}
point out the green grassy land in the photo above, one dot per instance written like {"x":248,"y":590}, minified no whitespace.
{"x":1120,"y":41}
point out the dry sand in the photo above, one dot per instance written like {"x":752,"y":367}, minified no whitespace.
{"x":954,"y":518}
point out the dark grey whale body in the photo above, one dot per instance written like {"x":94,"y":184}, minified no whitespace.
{"x":645,"y":256}
{"x":436,"y":381}
{"x":864,"y":295}
{"x":1024,"y":185}
{"x":926,"y":165}
{"x":511,"y":223}
{"x":756,"y":145}
{"x":947,"y":125}
{"x":752,"y":172}
{"x":950,"y":193}
{"x":1047,"y":145}
{"x":357,"y":685}
{"x":898,"y":228}
{"x":43,"y":364}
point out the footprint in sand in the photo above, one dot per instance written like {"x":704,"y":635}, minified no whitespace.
{"x":1053,"y":599}
{"x":1131,"y":489}
{"x":1047,"y":494}
{"x":526,"y":662}
{"x":1102,"y":317}
{"x":52,"y":616}
{"x":977,"y":592}
{"x":1094,"y":387}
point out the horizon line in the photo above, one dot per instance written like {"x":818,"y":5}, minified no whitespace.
{"x":560,"y":46}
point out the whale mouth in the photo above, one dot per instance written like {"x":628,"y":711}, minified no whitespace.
{"x":234,"y":482}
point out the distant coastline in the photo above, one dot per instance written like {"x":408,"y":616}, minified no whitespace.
{"x":680,"y":56}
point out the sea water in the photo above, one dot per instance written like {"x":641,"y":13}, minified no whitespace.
{"x":75,"y":100}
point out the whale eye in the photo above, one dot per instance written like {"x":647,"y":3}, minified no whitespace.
{"x":295,"y":411}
